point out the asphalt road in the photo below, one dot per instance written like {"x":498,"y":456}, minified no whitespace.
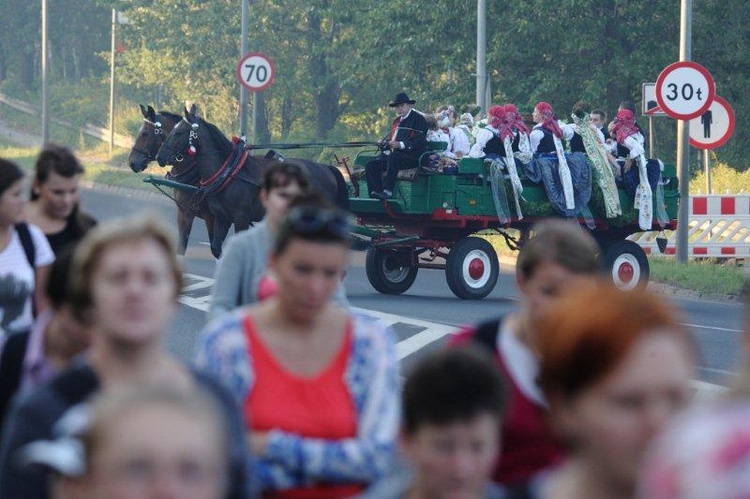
{"x":422,"y":317}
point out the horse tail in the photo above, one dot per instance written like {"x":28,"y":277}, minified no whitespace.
{"x":342,"y":189}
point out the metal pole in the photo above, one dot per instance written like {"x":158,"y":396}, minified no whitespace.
{"x":683,"y":140}
{"x":243,"y":51}
{"x":650,"y":136}
{"x":707,"y":166}
{"x":112,"y":84}
{"x":45,"y":75}
{"x":255,"y":117}
{"x":481,"y":93}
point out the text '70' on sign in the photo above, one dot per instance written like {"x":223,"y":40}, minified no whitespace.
{"x":255,"y":71}
{"x":685,"y":90}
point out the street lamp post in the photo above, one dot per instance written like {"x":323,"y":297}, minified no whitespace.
{"x":112,"y":84}
{"x":481,"y":94}
{"x":45,"y":76}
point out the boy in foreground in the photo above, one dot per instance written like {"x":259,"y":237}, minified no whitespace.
{"x":453,"y":403}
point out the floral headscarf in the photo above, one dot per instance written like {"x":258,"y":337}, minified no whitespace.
{"x":624,"y":125}
{"x":550,"y":122}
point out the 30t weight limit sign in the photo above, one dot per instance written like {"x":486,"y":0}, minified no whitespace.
{"x":255,"y":71}
{"x":685,"y":90}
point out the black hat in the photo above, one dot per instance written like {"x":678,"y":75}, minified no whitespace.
{"x":401,"y":98}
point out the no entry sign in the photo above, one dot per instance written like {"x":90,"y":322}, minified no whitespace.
{"x":255,"y":71}
{"x":685,"y":90}
{"x":714,"y":127}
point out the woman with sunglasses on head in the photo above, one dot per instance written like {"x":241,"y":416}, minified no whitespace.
{"x":318,"y":385}
{"x":125,"y":279}
{"x":25,"y":257}
{"x":55,"y":197}
{"x":241,"y":274}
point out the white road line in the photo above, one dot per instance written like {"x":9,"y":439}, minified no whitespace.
{"x":433,"y":332}
{"x":725,"y":329}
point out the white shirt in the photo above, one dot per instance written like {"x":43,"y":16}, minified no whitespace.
{"x":18,"y":279}
{"x":522,"y":364}
{"x":635,"y":144}
{"x":459,"y":141}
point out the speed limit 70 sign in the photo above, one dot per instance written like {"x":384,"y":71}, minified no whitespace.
{"x":255,"y":71}
{"x":685,"y":90}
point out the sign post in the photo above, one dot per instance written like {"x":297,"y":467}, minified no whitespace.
{"x":255,"y":72}
{"x":684,"y":90}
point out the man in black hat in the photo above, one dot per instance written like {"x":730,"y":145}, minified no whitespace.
{"x":401,"y":149}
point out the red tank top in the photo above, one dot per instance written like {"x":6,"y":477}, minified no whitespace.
{"x":314,"y":407}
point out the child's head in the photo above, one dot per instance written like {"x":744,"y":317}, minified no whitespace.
{"x":453,"y":403}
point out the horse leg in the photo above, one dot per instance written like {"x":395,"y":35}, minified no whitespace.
{"x":184,"y":226}
{"x":221,"y":228}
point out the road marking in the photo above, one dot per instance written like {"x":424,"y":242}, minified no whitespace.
{"x":725,"y":329}
{"x":431,"y":333}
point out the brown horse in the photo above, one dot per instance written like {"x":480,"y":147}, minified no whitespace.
{"x":151,"y":135}
{"x":237,"y":202}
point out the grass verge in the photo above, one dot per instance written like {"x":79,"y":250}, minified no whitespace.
{"x":708,"y":276}
{"x":100,"y":167}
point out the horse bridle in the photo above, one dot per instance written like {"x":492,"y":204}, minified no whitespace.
{"x":157,"y":130}
{"x":174,"y":153}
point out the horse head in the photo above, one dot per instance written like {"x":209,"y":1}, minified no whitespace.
{"x":151,"y":134}
{"x":182,"y":141}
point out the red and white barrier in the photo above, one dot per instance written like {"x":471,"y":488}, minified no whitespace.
{"x":719,"y":226}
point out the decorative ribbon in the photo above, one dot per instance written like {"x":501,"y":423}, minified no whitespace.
{"x":515,"y":181}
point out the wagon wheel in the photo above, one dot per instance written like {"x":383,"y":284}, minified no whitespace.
{"x":471,"y":268}
{"x":390,"y":271}
{"x":627,"y":265}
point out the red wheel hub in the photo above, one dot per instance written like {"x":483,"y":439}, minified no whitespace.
{"x":476,"y":268}
{"x":625,"y":272}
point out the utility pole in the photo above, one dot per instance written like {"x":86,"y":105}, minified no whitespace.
{"x":482,"y":87}
{"x":112,"y":83}
{"x":243,"y":51}
{"x":45,"y":76}
{"x":683,"y":139}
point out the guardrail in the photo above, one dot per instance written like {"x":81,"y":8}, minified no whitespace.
{"x":91,"y":130}
{"x":719,"y":226}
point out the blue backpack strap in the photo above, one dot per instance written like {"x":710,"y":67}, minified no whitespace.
{"x":27,"y":242}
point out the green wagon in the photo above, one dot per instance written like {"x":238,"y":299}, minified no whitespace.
{"x":430,"y":221}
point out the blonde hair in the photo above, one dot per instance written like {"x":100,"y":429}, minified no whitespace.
{"x":111,"y":233}
{"x":108,"y":407}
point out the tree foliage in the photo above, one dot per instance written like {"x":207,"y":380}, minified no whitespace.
{"x":339,"y":62}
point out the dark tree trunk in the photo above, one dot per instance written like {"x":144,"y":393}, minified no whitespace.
{"x":327,"y":105}
{"x":3,"y":67}
{"x":264,"y":134}
{"x":286,"y":116}
{"x":26,"y":68}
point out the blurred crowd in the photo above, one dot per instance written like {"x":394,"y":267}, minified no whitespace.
{"x":583,"y":391}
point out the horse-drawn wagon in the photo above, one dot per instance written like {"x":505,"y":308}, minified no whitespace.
{"x":431,"y":221}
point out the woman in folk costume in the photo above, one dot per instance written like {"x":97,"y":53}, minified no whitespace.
{"x":459,"y":142}
{"x":639,"y":182}
{"x":504,"y":139}
{"x":588,"y":140}
{"x":566,"y":179}
{"x":466,"y":125}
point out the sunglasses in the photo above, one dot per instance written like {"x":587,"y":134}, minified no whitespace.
{"x":312,"y":220}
